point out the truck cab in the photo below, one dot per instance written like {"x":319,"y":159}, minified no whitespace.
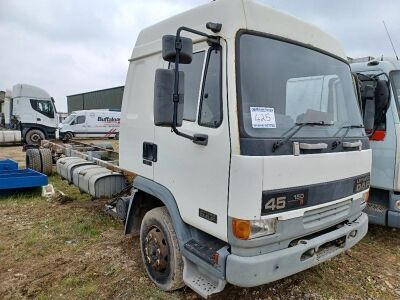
{"x":384,"y":205}
{"x":246,"y":142}
{"x":31,"y":110}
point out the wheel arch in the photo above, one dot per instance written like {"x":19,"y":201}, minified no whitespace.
{"x":150,"y":195}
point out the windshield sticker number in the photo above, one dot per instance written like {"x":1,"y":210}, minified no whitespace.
{"x":262,"y":117}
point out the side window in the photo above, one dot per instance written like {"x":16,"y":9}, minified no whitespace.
{"x":210,"y":114}
{"x":193,"y":72}
{"x":44,"y":107}
{"x":80,"y":120}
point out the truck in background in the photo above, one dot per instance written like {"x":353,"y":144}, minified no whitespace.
{"x":90,"y":123}
{"x":384,"y":201}
{"x":28,"y":112}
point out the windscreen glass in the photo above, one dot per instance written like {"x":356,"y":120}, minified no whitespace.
{"x":282,"y":84}
{"x":395,"y":80}
{"x":69,"y":119}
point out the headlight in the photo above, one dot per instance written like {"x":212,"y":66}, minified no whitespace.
{"x":245,"y":229}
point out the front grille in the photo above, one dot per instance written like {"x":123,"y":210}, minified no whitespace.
{"x":326,"y":214}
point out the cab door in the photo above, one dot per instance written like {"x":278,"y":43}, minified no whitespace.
{"x":196,"y":175}
{"x":79,"y":126}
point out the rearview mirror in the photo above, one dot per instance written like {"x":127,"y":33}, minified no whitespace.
{"x":382,"y":98}
{"x":169,"y":49}
{"x":163,"y":98}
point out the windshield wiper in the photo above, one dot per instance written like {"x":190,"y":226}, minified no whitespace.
{"x":299,"y":127}
{"x":348,"y":127}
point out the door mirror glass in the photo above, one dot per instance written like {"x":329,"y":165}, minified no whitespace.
{"x":163,"y":98}
{"x":169,"y":50}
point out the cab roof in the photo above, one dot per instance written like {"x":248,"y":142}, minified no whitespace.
{"x":235,"y":15}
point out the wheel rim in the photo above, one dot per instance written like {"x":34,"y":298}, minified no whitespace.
{"x":156,"y":250}
{"x":35,"y":137}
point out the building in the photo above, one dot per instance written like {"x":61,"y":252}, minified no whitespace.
{"x":103,"y":99}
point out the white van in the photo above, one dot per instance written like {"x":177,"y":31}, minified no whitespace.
{"x":90,"y":123}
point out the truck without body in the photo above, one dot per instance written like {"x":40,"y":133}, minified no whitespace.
{"x":251,"y":184}
{"x":243,"y":145}
{"x":90,"y":123}
{"x":384,"y":205}
{"x":31,"y":111}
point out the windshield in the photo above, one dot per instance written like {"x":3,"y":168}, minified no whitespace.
{"x":395,"y":80}
{"x":69,"y":119}
{"x":281,"y":83}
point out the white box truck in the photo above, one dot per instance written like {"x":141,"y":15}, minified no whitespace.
{"x":384,"y":205}
{"x":28,"y":113}
{"x":243,"y":145}
{"x":100,"y":123}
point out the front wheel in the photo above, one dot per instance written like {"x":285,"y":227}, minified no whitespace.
{"x":160,"y":250}
{"x":34,"y":136}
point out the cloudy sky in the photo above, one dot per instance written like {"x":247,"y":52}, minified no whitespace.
{"x":73,"y":46}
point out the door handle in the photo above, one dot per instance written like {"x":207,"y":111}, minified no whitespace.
{"x":38,"y":119}
{"x":149,"y":153}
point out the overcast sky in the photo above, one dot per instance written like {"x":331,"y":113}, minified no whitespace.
{"x":74,"y":46}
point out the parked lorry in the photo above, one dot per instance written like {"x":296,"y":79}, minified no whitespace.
{"x":384,"y":205}
{"x":242,"y":146}
{"x":28,"y":114}
{"x":90,"y":123}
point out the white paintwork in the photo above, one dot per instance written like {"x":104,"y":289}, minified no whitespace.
{"x":386,"y":156}
{"x":250,"y":175}
{"x":98,"y":123}
{"x":10,"y":136}
{"x":201,"y":176}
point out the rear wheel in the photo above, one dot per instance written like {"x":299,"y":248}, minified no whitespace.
{"x":32,"y":160}
{"x":47,"y":161}
{"x":160,"y":250}
{"x":34,"y":136}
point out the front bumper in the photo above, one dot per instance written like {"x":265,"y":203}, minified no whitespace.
{"x":261,"y":269}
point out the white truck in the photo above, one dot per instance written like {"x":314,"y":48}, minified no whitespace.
{"x":242,"y":142}
{"x":28,"y":114}
{"x":384,"y":205}
{"x":90,"y":123}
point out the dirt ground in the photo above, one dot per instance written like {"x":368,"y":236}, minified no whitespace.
{"x":73,"y":250}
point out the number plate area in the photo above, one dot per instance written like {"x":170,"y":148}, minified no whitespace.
{"x":284,"y":201}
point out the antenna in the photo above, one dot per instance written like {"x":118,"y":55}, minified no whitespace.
{"x":390,"y":39}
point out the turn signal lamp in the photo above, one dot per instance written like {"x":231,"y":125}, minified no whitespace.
{"x":366,"y":196}
{"x":245,"y":229}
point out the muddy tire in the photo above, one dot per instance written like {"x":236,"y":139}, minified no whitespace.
{"x":34,"y":136}
{"x":46,"y":161}
{"x":161,"y":255}
{"x":32,"y":160}
{"x":68,"y":136}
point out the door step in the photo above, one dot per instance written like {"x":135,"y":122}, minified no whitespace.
{"x":200,"y":281}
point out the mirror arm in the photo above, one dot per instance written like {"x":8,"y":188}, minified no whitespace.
{"x":200,"y":139}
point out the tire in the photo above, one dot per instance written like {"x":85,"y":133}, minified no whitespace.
{"x":68,"y":136}
{"x":46,"y":161}
{"x":32,"y":160}
{"x":165,"y":268}
{"x":34,"y":136}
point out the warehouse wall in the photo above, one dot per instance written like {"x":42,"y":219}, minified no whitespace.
{"x":103,"y":99}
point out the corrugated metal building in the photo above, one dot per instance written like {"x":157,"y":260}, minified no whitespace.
{"x":102,"y":99}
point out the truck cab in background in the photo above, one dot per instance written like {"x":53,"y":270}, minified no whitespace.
{"x":30,"y":110}
{"x":248,"y":158}
{"x":384,"y":202}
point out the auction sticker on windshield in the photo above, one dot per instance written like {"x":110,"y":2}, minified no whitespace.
{"x":262,"y":117}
